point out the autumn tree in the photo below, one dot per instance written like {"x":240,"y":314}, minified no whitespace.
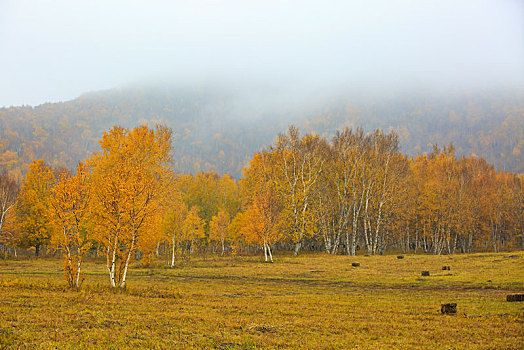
{"x":33,"y":222}
{"x":8,"y":194}
{"x":262,"y":224}
{"x":128,"y":187}
{"x":193,"y":229}
{"x":173,"y":222}
{"x":69,"y":201}
{"x":385,"y":186}
{"x":211,"y":193}
{"x":294,"y":164}
{"x":342,"y":190}
{"x":218,"y":229}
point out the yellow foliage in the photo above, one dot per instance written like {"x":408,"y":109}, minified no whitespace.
{"x":129,"y":182}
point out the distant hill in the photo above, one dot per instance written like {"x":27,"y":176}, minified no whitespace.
{"x":219,"y":129}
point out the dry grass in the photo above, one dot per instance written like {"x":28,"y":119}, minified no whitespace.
{"x":313,"y":301}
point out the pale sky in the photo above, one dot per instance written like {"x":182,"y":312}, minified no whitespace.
{"x":56,"y":50}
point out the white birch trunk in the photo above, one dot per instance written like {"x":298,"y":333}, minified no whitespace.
{"x":173,"y":251}
{"x":269,"y":250}
{"x":112,"y":267}
{"x":131,"y":248}
{"x":78,"y":274}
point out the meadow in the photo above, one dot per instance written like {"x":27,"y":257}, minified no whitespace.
{"x":313,"y":301}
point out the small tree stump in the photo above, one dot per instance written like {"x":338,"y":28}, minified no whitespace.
{"x":448,"y":309}
{"x":446,"y":268}
{"x":515,"y":297}
{"x":425,"y":273}
{"x":355,"y":264}
{"x":400,"y":256}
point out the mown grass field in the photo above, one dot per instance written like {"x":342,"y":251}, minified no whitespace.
{"x":305,"y":302}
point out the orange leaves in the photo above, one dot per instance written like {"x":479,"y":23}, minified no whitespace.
{"x":263,"y":220}
{"x":263,"y":217}
{"x":69,"y":201}
{"x":34,"y":223}
{"x":129,"y":179}
{"x":465,"y":202}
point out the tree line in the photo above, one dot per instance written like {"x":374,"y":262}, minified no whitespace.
{"x":353,"y":192}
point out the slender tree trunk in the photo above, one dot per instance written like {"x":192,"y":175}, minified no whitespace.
{"x":336,"y":244}
{"x":269,"y":251}
{"x":70,"y":278}
{"x":456,"y":243}
{"x":112,"y":267}
{"x":407,"y":238}
{"x":416,"y":237}
{"x":173,"y":251}
{"x":377,"y":228}
{"x":298,"y":245}
{"x":366,"y":236}
{"x":327,"y":243}
{"x":131,"y":248}
{"x":78,"y":273}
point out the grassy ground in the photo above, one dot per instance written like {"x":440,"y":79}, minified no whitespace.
{"x":313,"y":301}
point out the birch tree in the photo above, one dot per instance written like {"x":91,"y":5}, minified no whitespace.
{"x":337,"y":192}
{"x":69,"y":208}
{"x":218,"y":229}
{"x":193,"y":229}
{"x":173,"y":223}
{"x":262,"y":224}
{"x":386,"y":183}
{"x":34,"y":225}
{"x":128,"y":184}
{"x":295,"y":166}
{"x":9,"y":190}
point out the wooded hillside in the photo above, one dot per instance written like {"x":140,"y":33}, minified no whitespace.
{"x":220,"y":129}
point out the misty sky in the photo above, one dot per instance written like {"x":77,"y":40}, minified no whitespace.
{"x":55,"y":50}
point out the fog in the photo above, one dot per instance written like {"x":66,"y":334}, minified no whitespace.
{"x":56,"y":50}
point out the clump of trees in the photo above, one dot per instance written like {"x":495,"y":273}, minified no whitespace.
{"x":358,"y":191}
{"x":115,"y":199}
{"x":354,"y":192}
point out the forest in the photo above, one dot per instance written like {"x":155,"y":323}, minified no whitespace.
{"x":354,"y":192}
{"x":216,"y":128}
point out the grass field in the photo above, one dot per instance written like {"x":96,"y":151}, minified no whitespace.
{"x":305,"y":302}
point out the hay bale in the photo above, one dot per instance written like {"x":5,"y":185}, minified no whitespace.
{"x":355,"y":264}
{"x":448,"y":309}
{"x":425,"y":273}
{"x":515,"y":297}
